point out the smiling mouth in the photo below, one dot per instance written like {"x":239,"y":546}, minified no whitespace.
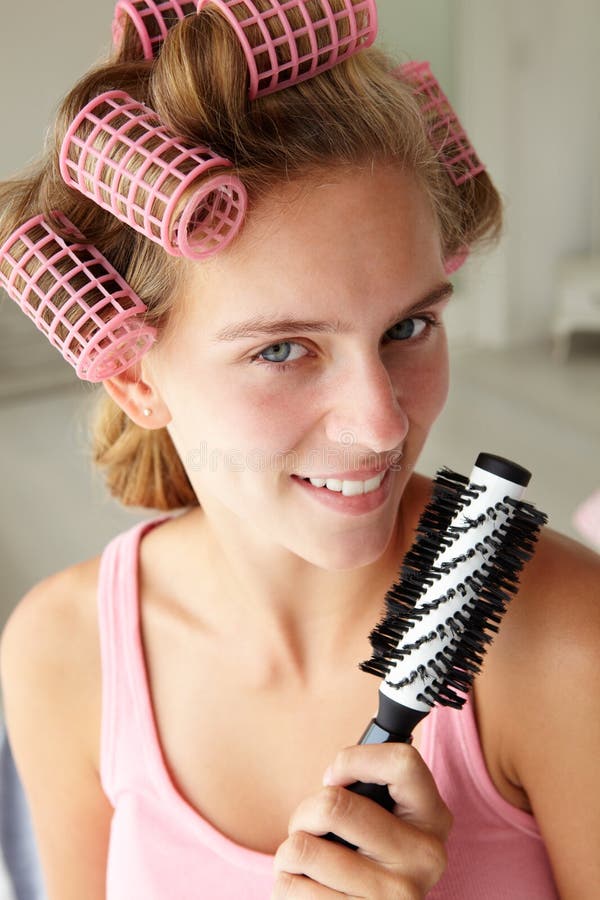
{"x":349,"y":488}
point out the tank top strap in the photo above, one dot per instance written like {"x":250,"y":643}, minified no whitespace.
{"x":122,"y":743}
{"x":454,"y":754}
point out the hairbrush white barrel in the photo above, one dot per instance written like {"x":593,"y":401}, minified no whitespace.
{"x":456,"y":580}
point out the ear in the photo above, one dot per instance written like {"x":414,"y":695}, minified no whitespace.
{"x":134,"y":394}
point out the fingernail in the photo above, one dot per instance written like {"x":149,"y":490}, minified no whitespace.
{"x":327,"y":777}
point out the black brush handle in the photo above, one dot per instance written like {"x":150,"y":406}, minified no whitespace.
{"x":393,"y":724}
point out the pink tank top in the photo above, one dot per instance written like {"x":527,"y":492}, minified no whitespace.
{"x":162,"y":849}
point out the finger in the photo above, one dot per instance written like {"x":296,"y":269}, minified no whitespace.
{"x":385,"y":843}
{"x":299,"y":887}
{"x":339,"y":870}
{"x":410,"y":783}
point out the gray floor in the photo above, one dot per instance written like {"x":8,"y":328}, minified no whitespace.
{"x":519,"y":404}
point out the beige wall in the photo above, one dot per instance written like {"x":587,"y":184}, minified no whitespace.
{"x":527,"y":78}
{"x":420,"y":29}
{"x":44,"y":48}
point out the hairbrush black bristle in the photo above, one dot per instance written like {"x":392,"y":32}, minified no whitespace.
{"x":502,"y":536}
{"x":473,"y":539}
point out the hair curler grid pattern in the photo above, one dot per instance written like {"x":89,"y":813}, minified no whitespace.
{"x":76,"y":298}
{"x":118,"y":154}
{"x":456,"y":262}
{"x":445,"y":131}
{"x":332,"y":36}
{"x":152,"y":20}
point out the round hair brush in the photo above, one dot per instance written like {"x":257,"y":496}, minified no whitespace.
{"x":473,"y":539}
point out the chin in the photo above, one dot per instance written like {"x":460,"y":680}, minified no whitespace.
{"x":349,"y":550}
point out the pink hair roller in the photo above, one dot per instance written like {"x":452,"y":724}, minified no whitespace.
{"x":587,"y":519}
{"x":119,"y":154}
{"x":358,"y":20}
{"x":152,"y":20}
{"x":454,"y":263}
{"x":76,"y":298}
{"x":446,"y":134}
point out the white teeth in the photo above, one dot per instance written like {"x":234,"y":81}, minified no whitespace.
{"x":374,"y":483}
{"x":349,"y":488}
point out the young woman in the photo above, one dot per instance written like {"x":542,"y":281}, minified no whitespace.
{"x":174,"y":703}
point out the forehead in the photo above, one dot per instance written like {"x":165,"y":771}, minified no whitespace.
{"x":345,"y":235}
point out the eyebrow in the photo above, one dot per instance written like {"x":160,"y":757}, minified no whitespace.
{"x":260,"y":326}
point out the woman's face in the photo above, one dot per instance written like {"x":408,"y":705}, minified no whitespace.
{"x":249,"y":412}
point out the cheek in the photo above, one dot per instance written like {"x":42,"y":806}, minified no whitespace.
{"x":250,"y":411}
{"x":272,"y":411}
{"x":437,"y":379}
{"x":422,"y":387}
{"x":439,"y":395}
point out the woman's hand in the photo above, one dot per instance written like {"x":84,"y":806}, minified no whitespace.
{"x":400,"y":855}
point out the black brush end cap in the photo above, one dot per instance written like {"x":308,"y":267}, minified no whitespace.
{"x":503,"y":468}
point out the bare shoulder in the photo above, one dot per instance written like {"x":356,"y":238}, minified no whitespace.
{"x":553,"y":619}
{"x":51,"y":637}
{"x":50,"y":669}
{"x":558,"y":599}
{"x":546,"y":682}
{"x":56,"y":610}
{"x":546,"y":657}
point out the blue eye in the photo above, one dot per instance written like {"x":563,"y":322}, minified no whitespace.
{"x":281,"y":351}
{"x":413,"y":330}
{"x":409,"y":328}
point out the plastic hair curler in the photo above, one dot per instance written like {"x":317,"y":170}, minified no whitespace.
{"x":76,"y":298}
{"x":118,"y":154}
{"x":281,"y":54}
{"x":446,"y":134}
{"x":152,"y":20}
{"x":454,"y":263}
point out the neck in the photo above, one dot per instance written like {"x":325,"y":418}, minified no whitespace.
{"x":297,"y":620}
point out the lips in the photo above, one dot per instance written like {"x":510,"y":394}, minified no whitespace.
{"x":353,"y":503}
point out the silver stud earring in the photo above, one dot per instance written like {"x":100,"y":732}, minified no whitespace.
{"x":147,"y":412}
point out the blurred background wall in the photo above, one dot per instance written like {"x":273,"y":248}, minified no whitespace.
{"x":526,"y":77}
{"x":523,"y":79}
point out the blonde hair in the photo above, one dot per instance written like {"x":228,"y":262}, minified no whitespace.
{"x":353,"y":115}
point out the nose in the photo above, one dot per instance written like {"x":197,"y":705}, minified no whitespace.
{"x":365,"y":409}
